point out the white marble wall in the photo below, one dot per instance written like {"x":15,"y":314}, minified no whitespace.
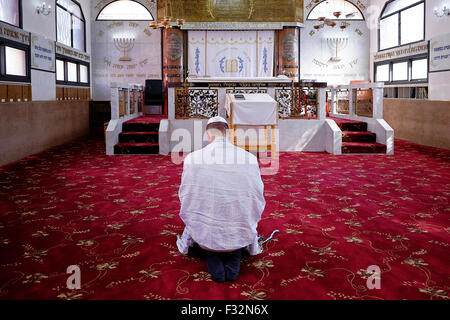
{"x":294,"y":135}
{"x":316,"y":50}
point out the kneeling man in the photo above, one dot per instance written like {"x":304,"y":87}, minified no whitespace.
{"x":222,"y":199}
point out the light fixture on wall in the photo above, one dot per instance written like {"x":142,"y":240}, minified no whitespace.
{"x":165,"y":23}
{"x":442,"y":12}
{"x":44,"y":9}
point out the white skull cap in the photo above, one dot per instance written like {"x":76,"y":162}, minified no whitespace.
{"x":217,"y":119}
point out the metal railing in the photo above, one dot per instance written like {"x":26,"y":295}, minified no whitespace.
{"x":302,"y":102}
{"x":360,"y":99}
{"x":196,"y":103}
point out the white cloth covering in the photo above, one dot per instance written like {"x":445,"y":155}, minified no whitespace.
{"x":222,"y":198}
{"x":280,"y":78}
{"x":255,"y":109}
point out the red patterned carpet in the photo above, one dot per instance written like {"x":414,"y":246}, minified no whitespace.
{"x":117,"y":217}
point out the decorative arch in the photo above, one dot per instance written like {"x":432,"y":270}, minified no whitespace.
{"x":327,"y":9}
{"x":124,"y":10}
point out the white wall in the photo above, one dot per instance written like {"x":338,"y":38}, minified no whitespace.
{"x":436,"y":26}
{"x":438,"y":83}
{"x":294,"y":135}
{"x":44,"y":83}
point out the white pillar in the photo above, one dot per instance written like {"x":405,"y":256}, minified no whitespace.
{"x":351,"y":98}
{"x":333,"y":101}
{"x":114,"y":102}
{"x":171,"y":102}
{"x":128,"y":100}
{"x":378,"y":93}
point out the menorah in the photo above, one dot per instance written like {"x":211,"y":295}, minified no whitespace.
{"x":335,"y":44}
{"x":124,"y":45}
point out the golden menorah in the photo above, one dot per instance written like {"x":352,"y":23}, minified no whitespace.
{"x":124,"y":45}
{"x":336,"y":44}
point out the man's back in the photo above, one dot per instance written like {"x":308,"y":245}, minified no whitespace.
{"x":222,"y":196}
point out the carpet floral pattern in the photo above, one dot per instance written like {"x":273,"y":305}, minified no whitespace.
{"x":117,"y":219}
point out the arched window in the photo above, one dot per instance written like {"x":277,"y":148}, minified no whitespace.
{"x":335,"y":10}
{"x":125,"y":10}
{"x":10,"y":12}
{"x":70,"y":24}
{"x":401,"y":22}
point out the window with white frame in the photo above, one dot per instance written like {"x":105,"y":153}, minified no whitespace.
{"x":389,"y":32}
{"x":401,"y":22}
{"x":60,"y":70}
{"x":70,"y":24}
{"x":383,"y":73}
{"x":72,"y":72}
{"x":419,"y":69}
{"x":84,"y":76}
{"x":400,"y":71}
{"x":14,"y":65}
{"x":17,"y":62}
{"x":10,"y":12}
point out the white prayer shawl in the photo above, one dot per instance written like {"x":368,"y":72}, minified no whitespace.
{"x":222,"y":196}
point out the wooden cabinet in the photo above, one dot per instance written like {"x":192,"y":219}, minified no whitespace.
{"x":3,"y":92}
{"x":73,"y":93}
{"x":23,"y":93}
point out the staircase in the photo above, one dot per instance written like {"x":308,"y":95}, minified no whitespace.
{"x":139,"y":136}
{"x":356,"y":138}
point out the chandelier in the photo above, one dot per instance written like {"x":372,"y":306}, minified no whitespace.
{"x":441,"y":12}
{"x":44,"y":9}
{"x":165,"y":23}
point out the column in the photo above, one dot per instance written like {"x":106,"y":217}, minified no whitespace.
{"x":322,"y":97}
{"x":173,"y":58}
{"x":114,"y":101}
{"x":333,"y":102}
{"x":378,"y":93}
